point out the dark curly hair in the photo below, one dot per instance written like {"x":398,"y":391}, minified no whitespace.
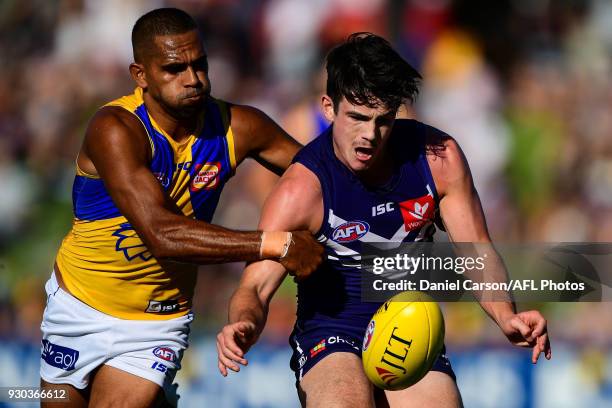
{"x":366,"y":70}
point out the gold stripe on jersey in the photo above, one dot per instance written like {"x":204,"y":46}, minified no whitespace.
{"x":229,"y":135}
{"x":83,"y":173}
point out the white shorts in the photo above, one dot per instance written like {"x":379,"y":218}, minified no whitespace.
{"x":77,"y":339}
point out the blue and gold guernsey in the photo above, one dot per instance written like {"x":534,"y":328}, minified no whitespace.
{"x":103,"y":261}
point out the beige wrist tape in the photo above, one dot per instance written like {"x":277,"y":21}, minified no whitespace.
{"x":274,"y":244}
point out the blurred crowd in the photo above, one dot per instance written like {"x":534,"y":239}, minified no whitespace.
{"x":524,"y":86}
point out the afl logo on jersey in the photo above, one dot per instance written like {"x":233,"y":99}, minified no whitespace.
{"x":206,"y":176}
{"x":350,"y":231}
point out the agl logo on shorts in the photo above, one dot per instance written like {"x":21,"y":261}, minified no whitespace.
{"x":350,"y":231}
{"x":206,"y":176}
{"x":61,"y":357}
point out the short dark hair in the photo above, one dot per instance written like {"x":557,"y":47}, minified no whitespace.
{"x":161,"y":21}
{"x":366,"y":70}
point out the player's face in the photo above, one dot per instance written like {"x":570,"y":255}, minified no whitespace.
{"x":177,"y":74}
{"x":359,"y":132}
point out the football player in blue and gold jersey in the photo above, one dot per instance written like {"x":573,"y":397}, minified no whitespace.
{"x":148,"y":179}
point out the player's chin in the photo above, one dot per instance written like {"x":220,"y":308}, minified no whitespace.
{"x":190,"y":107}
{"x":361,"y":164}
{"x":194,"y":102}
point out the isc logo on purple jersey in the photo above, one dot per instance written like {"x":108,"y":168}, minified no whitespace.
{"x":350,"y":231}
{"x":165,"y":353}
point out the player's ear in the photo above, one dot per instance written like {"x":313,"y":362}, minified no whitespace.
{"x":327,"y":104}
{"x":138,"y":74}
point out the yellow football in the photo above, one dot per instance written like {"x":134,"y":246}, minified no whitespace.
{"x":403,"y":340}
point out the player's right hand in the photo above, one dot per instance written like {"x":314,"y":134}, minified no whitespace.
{"x":527,"y":329}
{"x":233,"y":341}
{"x":304,"y":255}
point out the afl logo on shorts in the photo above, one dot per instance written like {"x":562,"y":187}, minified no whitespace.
{"x":368,"y":335}
{"x":206,"y":176}
{"x":165,"y":353}
{"x":350,"y":231}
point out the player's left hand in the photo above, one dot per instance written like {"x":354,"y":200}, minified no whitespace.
{"x":527,"y":329}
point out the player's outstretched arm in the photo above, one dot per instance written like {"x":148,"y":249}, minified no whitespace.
{"x":248,"y":312}
{"x":464,"y":220}
{"x":295,"y":203}
{"x":118,"y":148}
{"x":259,"y":137}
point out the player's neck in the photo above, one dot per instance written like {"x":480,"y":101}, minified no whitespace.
{"x":178,"y":129}
{"x":379,"y":173}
